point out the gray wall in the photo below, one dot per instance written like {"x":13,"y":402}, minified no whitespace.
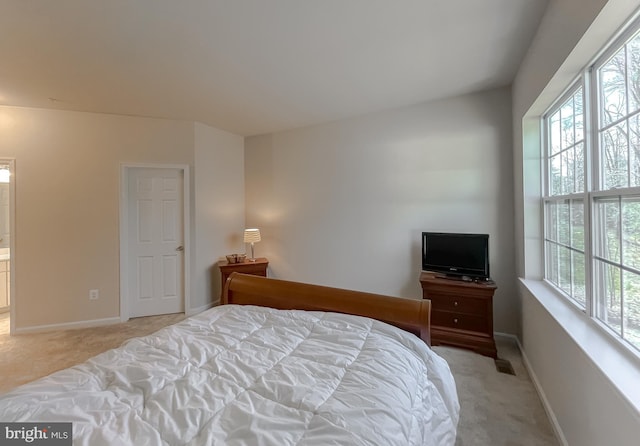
{"x":219,"y":207}
{"x":344,"y":204}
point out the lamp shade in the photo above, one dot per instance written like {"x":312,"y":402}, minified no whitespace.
{"x":251,"y":235}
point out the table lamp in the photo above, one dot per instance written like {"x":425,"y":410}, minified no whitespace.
{"x":252,"y":236}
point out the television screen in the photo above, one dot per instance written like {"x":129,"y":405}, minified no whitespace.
{"x":456,"y":254}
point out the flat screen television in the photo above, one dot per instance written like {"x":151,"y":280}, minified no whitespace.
{"x":458,"y":255}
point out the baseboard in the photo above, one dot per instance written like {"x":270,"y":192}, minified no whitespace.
{"x":497,"y":334}
{"x":192,"y":311}
{"x":68,"y":325}
{"x":545,"y":402}
{"x":95,"y":322}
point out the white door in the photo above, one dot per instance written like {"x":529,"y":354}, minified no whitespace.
{"x":156,"y":241}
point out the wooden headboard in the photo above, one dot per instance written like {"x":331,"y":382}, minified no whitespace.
{"x":409,"y":314}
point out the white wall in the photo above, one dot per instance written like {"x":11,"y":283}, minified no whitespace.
{"x":219,"y":207}
{"x":588,"y":409}
{"x":344,"y":204}
{"x":67,"y":204}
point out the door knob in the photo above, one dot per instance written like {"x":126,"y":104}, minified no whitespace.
{"x":180,"y":248}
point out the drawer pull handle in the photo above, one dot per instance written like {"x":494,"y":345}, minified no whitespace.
{"x":455,"y":321}
{"x":455,"y":303}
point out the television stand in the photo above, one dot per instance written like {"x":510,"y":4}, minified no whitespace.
{"x":461,"y":312}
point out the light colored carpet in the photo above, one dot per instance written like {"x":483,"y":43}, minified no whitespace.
{"x":496,"y":409}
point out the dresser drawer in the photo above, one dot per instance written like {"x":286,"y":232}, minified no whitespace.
{"x":256,"y":270}
{"x":458,"y":304}
{"x":460,"y":321}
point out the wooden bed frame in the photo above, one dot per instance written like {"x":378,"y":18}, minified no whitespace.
{"x":409,"y":314}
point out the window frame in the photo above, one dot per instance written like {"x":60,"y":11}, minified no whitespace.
{"x":547,"y":198}
{"x":598,"y":188}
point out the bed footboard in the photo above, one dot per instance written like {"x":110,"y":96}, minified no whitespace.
{"x":409,"y":314}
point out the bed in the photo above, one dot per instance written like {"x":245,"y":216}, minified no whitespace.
{"x":278,"y":363}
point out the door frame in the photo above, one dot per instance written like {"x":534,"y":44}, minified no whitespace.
{"x":12,"y":243}
{"x":124,"y":232}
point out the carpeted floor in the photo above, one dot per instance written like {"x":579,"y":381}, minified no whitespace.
{"x":497,"y":409}
{"x":26,"y":357}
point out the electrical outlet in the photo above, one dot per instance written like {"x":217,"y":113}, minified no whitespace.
{"x":94,"y":294}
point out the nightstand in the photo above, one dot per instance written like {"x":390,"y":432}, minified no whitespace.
{"x":256,"y":268}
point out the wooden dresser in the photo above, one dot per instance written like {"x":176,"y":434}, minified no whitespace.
{"x":257,"y":268}
{"x":461,"y":312}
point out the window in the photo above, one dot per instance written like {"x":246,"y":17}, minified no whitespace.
{"x":592,"y":192}
{"x":564,"y":202}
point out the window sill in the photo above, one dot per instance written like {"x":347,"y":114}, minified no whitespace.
{"x":618,"y":363}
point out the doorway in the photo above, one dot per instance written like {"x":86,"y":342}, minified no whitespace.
{"x":154,"y":240}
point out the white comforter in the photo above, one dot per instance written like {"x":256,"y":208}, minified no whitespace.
{"x":245,"y":375}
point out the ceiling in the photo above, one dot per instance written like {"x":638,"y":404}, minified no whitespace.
{"x":257,"y":66}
